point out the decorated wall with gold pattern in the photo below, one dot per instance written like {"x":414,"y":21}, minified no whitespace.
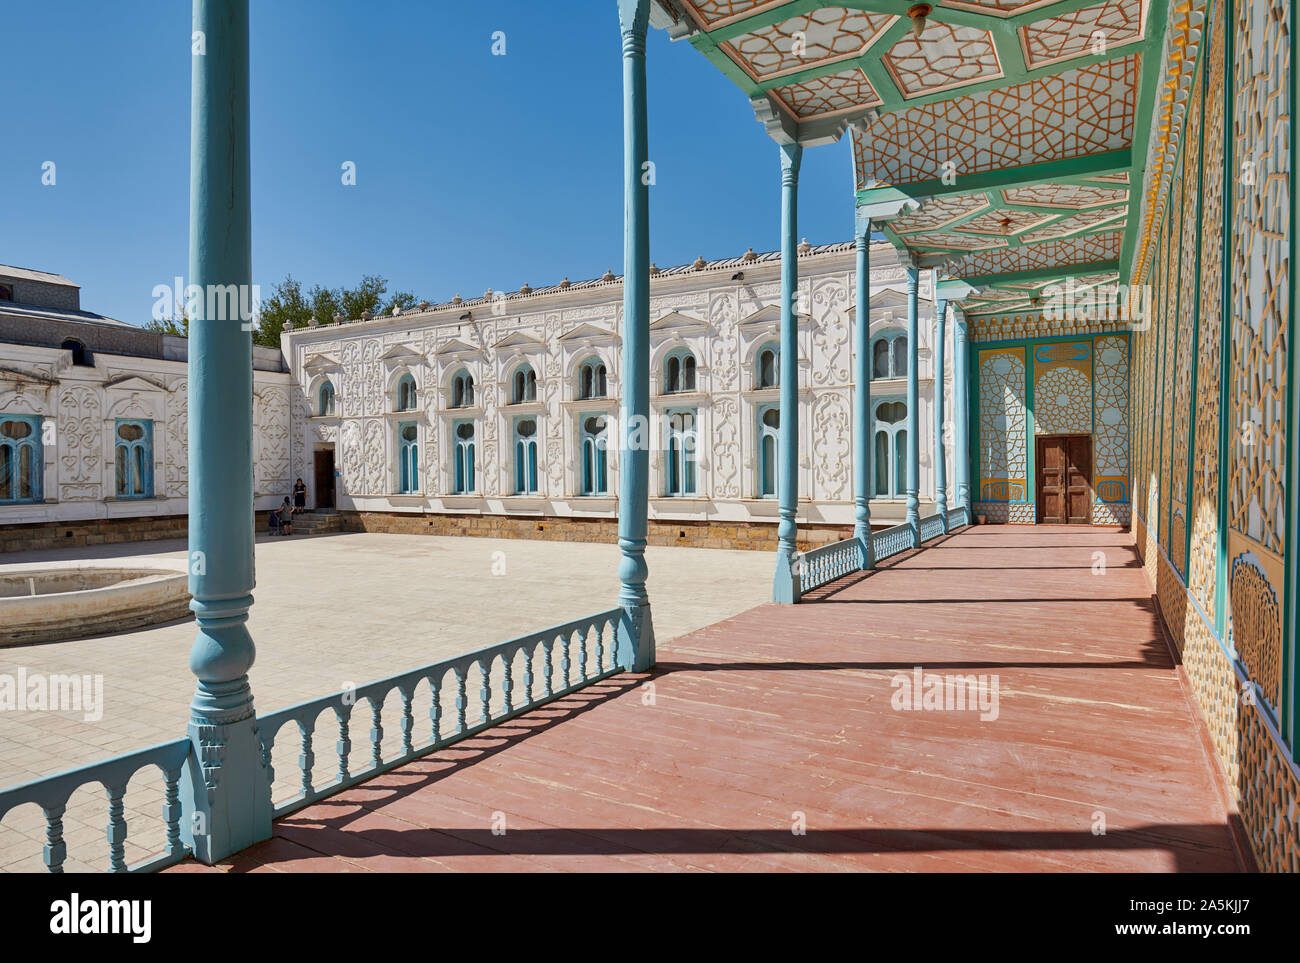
{"x":1210,"y":387}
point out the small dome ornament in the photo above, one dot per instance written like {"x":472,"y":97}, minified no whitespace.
{"x":397,"y":310}
{"x":312,"y":322}
{"x":366,"y":315}
{"x":565,"y":285}
{"x":525,"y":289}
{"x":457,"y":299}
{"x":699,"y":262}
{"x":423,"y":305}
{"x":805,"y":247}
{"x":749,"y":255}
{"x":607,"y":276}
{"x":338,"y":318}
{"x":654,"y":269}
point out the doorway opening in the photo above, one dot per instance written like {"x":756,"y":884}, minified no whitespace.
{"x":1064,"y":479}
{"x":324,"y":478}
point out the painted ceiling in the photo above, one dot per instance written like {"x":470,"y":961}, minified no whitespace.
{"x":1007,"y":145}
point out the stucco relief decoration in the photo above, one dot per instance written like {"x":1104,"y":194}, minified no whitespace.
{"x":831,"y":454}
{"x":178,"y":435}
{"x":80,"y":433}
{"x":830,"y":335}
{"x":1002,"y":457}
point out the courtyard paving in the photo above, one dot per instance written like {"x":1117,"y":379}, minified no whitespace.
{"x":330,"y":610}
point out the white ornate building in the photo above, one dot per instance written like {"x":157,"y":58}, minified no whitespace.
{"x":491,"y":406}
{"x":93,"y":420}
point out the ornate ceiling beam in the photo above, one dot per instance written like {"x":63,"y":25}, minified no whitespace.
{"x":1070,"y":170}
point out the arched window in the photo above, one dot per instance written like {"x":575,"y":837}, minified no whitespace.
{"x":768,"y":372}
{"x":325,"y":400}
{"x":525,"y":385}
{"x":80,"y":356}
{"x":526,"y":456}
{"x":133,"y":459}
{"x":889,"y":355}
{"x":464,"y":456}
{"x":679,"y":462}
{"x":591,"y":379}
{"x":769,"y":426}
{"x":406,"y":393}
{"x":6,"y":292}
{"x":679,"y":372}
{"x":408,"y":436}
{"x":890,"y":432}
{"x":21,"y":465}
{"x":462,"y":390}
{"x":595,"y":475}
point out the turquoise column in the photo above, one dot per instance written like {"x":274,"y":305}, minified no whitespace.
{"x":636,"y":640}
{"x":226,"y":793}
{"x":785,"y":582}
{"x":862,"y":392}
{"x":913,"y":402}
{"x":940,"y":457}
{"x":961,"y":416}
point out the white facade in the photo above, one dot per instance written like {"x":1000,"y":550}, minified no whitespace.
{"x":724,"y":313}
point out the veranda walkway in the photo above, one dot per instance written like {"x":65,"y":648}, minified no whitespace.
{"x":782,"y":716}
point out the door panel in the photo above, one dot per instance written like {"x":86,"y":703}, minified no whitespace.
{"x":1079,"y":479}
{"x":324,"y":478}
{"x":1052,"y":472}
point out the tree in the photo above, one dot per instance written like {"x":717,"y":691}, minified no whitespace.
{"x":178,"y":325}
{"x":289,"y":303}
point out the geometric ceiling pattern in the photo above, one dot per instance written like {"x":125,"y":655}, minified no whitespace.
{"x":1003,"y":141}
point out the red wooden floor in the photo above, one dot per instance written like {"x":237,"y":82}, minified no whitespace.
{"x":782,"y":715}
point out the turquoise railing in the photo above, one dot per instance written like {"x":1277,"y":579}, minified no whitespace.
{"x":528,"y":672}
{"x":931,"y":527}
{"x":956,"y":518}
{"x":826,"y":563}
{"x":51,"y":793}
{"x":891,"y":541}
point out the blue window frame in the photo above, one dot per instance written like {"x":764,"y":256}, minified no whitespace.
{"x":462,"y":390}
{"x":889,"y":355}
{"x":679,"y":459}
{"x":889,"y":428}
{"x":595,"y":470}
{"x":133,"y":458}
{"x":406,"y":393}
{"x":769,"y":446}
{"x":464,"y":457}
{"x":768,"y":371}
{"x":524,"y":385}
{"x":21,"y":459}
{"x":526,"y":456}
{"x":679,"y":372}
{"x":325,"y":400}
{"x":408,"y":441}
{"x":592,"y":382}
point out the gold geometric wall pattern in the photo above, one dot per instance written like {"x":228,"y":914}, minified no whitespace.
{"x":1003,"y":456}
{"x":1203,"y":565}
{"x":1082,"y":111}
{"x":940,"y":212}
{"x":1062,"y":402}
{"x":1260,"y":284}
{"x":823,"y":96}
{"x":1087,"y":249}
{"x":1110,"y":433}
{"x":1070,"y":196}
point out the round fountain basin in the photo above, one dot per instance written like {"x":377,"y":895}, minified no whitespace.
{"x":72,"y":600}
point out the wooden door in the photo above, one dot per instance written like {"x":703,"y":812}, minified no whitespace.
{"x":325,"y":478}
{"x":1078,"y":479}
{"x":1064,"y":479}
{"x":1052,"y":472}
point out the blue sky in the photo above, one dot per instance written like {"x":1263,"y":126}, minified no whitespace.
{"x":474,"y":171}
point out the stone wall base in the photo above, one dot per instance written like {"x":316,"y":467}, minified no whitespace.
{"x":759,"y":536}
{"x":39,"y":536}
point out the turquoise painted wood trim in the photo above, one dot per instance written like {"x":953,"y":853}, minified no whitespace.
{"x":893,"y":541}
{"x":1225,"y":324}
{"x":1291,"y":577}
{"x":1158,"y":409}
{"x":1148,"y":91}
{"x":913,"y":402}
{"x":961,"y":413}
{"x":34,"y":444}
{"x":588,"y":645}
{"x":1031,"y":436}
{"x":826,"y":563}
{"x":862,"y":440}
{"x":785,"y":583}
{"x":226,"y":791}
{"x":636,"y":645}
{"x":1039,"y":274}
{"x":940,"y":456}
{"x":52,"y":793}
{"x":1068,"y":171}
{"x":973,"y":424}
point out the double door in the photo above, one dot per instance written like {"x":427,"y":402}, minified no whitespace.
{"x":1064,"y":479}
